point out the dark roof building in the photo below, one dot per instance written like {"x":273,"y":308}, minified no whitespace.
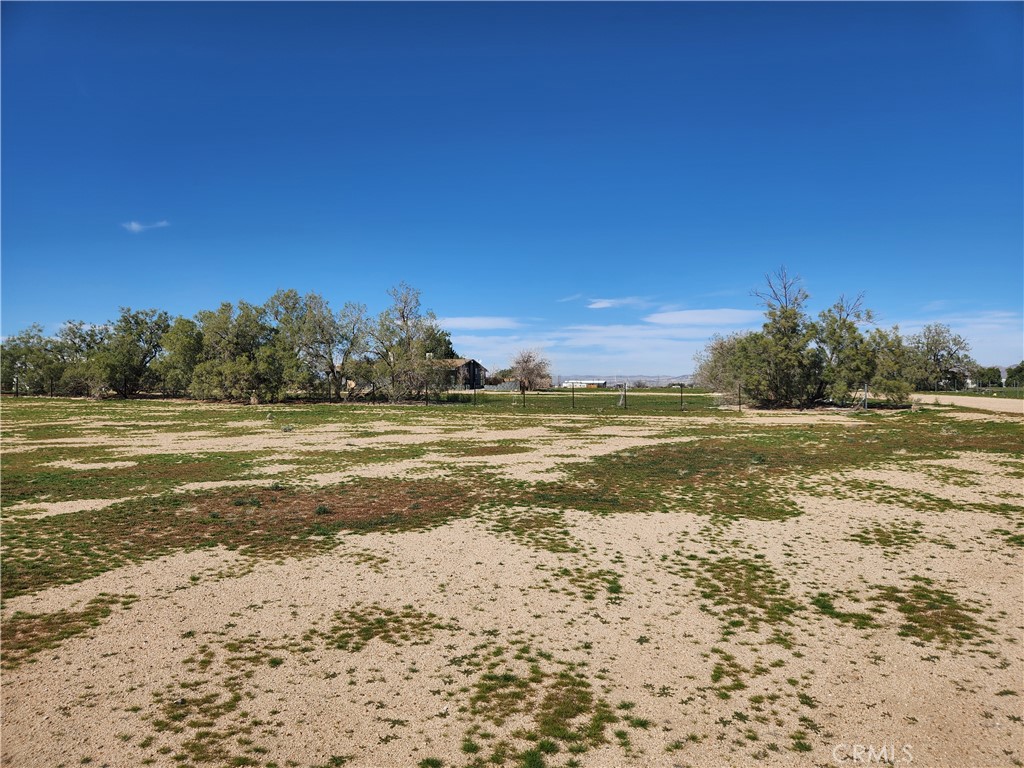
{"x":465,"y":373}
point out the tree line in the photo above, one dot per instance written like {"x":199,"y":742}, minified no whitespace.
{"x":796,"y":360}
{"x":291,"y":344}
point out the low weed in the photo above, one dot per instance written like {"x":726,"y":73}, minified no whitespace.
{"x":353,"y":629}
{"x":27,"y":634}
{"x":932,"y":614}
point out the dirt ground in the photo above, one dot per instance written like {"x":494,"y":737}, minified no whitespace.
{"x":996,"y":404}
{"x":440,"y":645}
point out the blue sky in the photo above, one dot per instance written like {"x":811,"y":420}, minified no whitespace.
{"x":604,"y":181}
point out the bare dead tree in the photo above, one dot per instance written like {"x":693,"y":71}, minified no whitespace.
{"x":781,"y":291}
{"x":530,"y":370}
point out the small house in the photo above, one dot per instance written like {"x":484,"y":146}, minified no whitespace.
{"x":464,"y":373}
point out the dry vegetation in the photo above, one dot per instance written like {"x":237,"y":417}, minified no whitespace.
{"x":196,"y":585}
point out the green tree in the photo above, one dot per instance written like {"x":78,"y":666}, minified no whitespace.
{"x":83,"y":343}
{"x":401,"y":344}
{"x":14,"y":365}
{"x":990,"y":376}
{"x":1015,"y":375}
{"x":942,"y":358}
{"x":285,"y":312}
{"x":719,"y":365}
{"x":34,"y":363}
{"x":778,"y":365}
{"x":792,"y":361}
{"x":182,"y":350}
{"x":847,"y":360}
{"x":241,"y":358}
{"x":892,"y":369}
{"x":133,"y":343}
{"x":325,"y":344}
{"x":438,"y":343}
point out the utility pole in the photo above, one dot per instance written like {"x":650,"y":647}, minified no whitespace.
{"x":426,"y":379}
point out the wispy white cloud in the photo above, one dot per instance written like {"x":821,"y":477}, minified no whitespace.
{"x":660,"y":343}
{"x":996,"y":336}
{"x":665,"y":342}
{"x":723,"y":293}
{"x":625,"y":301}
{"x":479,"y":323}
{"x":707,"y":317}
{"x":600,"y":349}
{"x":574,"y":297}
{"x":135,"y":227}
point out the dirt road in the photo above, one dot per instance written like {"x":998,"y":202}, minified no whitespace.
{"x":999,"y":404}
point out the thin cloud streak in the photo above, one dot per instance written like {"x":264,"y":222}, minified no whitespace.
{"x":706,"y":317}
{"x":625,"y":301}
{"x":665,"y":342}
{"x":479,"y":323}
{"x":573,"y":353}
{"x":135,"y":227}
{"x":996,"y":336}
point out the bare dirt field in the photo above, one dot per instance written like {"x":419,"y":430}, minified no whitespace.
{"x":192,"y":585}
{"x":997,"y":404}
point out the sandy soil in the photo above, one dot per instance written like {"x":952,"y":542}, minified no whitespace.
{"x":997,"y":404}
{"x":40,"y":509}
{"x":98,"y":698}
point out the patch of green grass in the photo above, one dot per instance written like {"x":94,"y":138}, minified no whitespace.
{"x":471,"y":449}
{"x":892,"y":536}
{"x":1013,"y":539}
{"x":28,"y":478}
{"x":538,"y":528}
{"x":555,"y":696}
{"x":858,"y":619}
{"x":63,"y":549}
{"x":727,"y":674}
{"x":26,"y":634}
{"x":932,"y":614}
{"x":532,"y":758}
{"x":600,"y":402}
{"x":204,"y":711}
{"x":732,"y":473}
{"x":745,"y":590}
{"x":336,"y":761}
{"x":800,"y":743}
{"x":356,"y":627}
